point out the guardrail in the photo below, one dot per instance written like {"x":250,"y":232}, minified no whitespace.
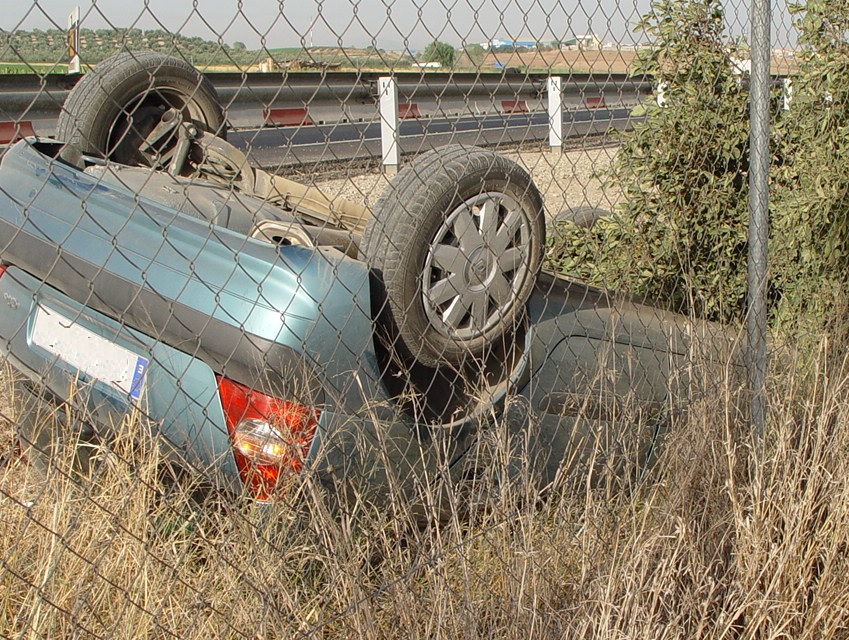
{"x":304,"y":99}
{"x":348,"y":96}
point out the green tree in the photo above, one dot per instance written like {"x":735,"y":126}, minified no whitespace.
{"x":440,"y":52}
{"x":475,"y":54}
{"x":680,"y":235}
{"x":809,"y":244}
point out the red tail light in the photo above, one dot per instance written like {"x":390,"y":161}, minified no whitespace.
{"x":270,"y":437}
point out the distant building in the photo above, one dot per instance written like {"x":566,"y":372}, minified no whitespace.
{"x":426,"y":65}
{"x":515,"y":44}
{"x":586,"y":41}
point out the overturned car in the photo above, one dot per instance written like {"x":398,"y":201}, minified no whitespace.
{"x":264,"y":331}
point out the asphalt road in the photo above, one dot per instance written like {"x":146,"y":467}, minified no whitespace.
{"x":280,"y":146}
{"x":273,"y":147}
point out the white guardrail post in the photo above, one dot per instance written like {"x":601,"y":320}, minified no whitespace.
{"x":555,"y":112}
{"x":388,"y":91}
{"x":74,"y":41}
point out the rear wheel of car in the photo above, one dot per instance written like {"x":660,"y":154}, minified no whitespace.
{"x":116,"y":105}
{"x":455,"y":244}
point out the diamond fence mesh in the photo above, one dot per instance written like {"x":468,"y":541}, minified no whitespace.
{"x":394,"y":319}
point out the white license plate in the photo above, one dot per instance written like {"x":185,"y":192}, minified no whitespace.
{"x":89,"y":353}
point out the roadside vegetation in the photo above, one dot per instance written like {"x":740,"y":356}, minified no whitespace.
{"x":679,"y":233}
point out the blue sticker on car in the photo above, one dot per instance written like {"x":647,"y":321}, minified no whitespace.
{"x":138,"y":378}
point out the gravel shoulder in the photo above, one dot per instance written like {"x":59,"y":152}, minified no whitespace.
{"x":567,"y":180}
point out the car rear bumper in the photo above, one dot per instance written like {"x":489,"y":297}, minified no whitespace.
{"x":176,"y":398}
{"x":371,"y":447}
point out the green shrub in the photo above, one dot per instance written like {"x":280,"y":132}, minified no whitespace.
{"x":680,"y":235}
{"x":809,"y":244}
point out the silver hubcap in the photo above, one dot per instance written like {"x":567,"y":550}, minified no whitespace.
{"x":476,"y":265}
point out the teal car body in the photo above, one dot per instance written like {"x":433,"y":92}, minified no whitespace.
{"x":117,"y":304}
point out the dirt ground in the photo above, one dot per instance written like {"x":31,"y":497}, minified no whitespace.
{"x":567,"y":180}
{"x":595,"y":60}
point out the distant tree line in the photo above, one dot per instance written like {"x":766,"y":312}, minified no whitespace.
{"x":96,"y":44}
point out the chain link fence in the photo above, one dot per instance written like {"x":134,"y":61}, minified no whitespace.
{"x":381,"y":319}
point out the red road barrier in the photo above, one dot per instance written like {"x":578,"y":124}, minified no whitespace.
{"x":594,"y":102}
{"x":408,"y":110}
{"x":13,"y":131}
{"x":514,"y":106}
{"x":288,"y":117}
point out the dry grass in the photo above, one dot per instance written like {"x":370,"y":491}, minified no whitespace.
{"x":705,"y":547}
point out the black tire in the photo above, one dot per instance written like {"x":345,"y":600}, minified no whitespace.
{"x":442,"y":297}
{"x":114,"y":106}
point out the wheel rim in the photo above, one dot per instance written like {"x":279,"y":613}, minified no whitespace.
{"x":476,"y":266}
{"x":138,"y":118}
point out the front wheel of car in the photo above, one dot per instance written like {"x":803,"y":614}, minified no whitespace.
{"x":117,"y":105}
{"x":455,"y":244}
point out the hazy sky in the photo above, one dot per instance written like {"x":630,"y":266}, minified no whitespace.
{"x":387,"y":24}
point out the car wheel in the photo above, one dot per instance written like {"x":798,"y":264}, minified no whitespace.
{"x":454,"y":244}
{"x":117,"y":104}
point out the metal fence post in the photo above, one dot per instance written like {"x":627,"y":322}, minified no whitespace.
{"x":758,"y":215}
{"x":555,"y":112}
{"x":388,"y":90}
